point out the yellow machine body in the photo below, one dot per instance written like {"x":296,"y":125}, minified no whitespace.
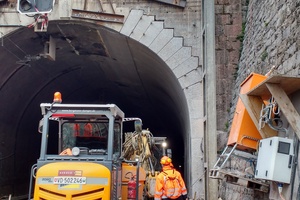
{"x":93,"y":181}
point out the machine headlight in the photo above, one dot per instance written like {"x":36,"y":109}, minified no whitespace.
{"x":75,"y":151}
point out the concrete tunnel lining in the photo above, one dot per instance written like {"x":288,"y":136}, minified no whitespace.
{"x":93,"y":65}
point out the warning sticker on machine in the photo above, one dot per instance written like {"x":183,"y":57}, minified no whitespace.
{"x":69,"y":173}
{"x":45,"y":180}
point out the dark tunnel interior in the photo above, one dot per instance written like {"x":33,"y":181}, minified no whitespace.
{"x":93,"y":64}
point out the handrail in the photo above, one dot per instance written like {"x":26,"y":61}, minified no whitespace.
{"x":32,"y":175}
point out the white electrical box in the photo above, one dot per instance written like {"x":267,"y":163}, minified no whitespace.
{"x":275,"y":158}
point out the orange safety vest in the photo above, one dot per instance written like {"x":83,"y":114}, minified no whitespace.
{"x":76,"y":130}
{"x":169,"y":184}
{"x":88,"y":130}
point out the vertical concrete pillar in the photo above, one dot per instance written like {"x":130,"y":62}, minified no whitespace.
{"x":209,"y":67}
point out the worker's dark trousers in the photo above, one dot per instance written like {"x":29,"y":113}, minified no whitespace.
{"x":179,"y":198}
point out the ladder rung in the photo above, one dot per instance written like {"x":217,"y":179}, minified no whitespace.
{"x":224,"y":155}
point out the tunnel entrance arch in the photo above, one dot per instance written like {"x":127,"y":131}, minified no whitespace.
{"x":144,"y":69}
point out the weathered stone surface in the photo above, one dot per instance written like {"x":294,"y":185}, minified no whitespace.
{"x":271,"y":38}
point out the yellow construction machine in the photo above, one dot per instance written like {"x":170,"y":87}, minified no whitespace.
{"x":84,"y":156}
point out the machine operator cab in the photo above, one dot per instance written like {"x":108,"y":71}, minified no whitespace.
{"x":80,"y":153}
{"x":75,"y":130}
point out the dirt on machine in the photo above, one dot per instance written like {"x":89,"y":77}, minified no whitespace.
{"x":85,"y":154}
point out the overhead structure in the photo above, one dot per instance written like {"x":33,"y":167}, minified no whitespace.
{"x":32,"y":7}
{"x":179,"y":3}
{"x":278,"y":87}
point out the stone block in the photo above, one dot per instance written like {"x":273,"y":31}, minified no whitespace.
{"x":194,"y":92}
{"x":223,"y":19}
{"x":141,"y":27}
{"x":186,"y":67}
{"x":161,"y":40}
{"x":190,"y":79}
{"x":220,"y":42}
{"x":233,"y":43}
{"x":232,"y":8}
{"x":219,"y":30}
{"x":221,"y":57}
{"x":131,"y":21}
{"x":171,"y":48}
{"x":292,"y":49}
{"x":234,"y":57}
{"x":222,"y":2}
{"x":179,"y":57}
{"x":151,"y":33}
{"x":233,"y":30}
{"x":219,"y":9}
{"x":197,"y":123}
{"x":236,"y":18}
{"x":222,"y":138}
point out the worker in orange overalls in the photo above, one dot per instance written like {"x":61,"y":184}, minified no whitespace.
{"x":169,"y":183}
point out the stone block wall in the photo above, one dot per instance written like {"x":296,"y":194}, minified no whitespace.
{"x":269,"y":31}
{"x":229,"y":19}
{"x":271,"y":38}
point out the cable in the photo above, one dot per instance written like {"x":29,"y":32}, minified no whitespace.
{"x":280,"y":185}
{"x":266,"y":116}
{"x":200,"y":178}
{"x":5,"y":157}
{"x":17,"y":46}
{"x":295,"y":167}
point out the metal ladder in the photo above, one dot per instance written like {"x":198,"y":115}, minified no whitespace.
{"x":214,"y":172}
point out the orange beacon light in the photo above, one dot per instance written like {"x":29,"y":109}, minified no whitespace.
{"x":57,"y":97}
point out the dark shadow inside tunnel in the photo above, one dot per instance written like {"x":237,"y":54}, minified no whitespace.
{"x":93,"y":64}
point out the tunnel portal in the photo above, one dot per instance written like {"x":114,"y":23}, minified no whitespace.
{"x":93,"y":64}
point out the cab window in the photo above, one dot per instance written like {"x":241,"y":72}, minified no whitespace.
{"x":117,"y":140}
{"x":90,"y":135}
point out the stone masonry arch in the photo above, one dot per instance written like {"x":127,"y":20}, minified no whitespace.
{"x":153,"y":34}
{"x":188,"y":72}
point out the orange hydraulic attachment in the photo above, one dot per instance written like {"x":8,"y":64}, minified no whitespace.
{"x":243,"y":131}
{"x":128,"y":171}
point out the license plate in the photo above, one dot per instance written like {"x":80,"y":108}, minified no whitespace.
{"x":69,"y":180}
